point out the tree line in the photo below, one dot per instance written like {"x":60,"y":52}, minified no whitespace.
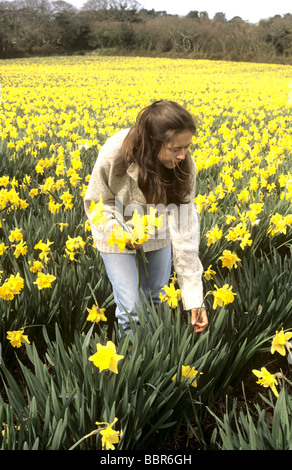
{"x":44,"y":28}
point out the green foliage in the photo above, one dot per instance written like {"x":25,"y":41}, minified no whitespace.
{"x":256,"y":429}
{"x":62,"y":394}
{"x":66,"y":394}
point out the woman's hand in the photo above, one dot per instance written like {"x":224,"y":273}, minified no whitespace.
{"x":199,"y":319}
{"x":131,"y":245}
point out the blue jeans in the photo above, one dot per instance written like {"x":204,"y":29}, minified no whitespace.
{"x":123,"y":274}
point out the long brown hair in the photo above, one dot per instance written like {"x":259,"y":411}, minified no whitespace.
{"x":156,"y":125}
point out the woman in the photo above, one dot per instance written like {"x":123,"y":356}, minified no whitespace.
{"x":145,"y":166}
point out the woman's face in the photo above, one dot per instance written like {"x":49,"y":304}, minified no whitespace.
{"x":175,"y":151}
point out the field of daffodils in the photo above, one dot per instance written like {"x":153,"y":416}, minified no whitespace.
{"x":67,"y":380}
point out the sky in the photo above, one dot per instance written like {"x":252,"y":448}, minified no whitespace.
{"x":248,"y":10}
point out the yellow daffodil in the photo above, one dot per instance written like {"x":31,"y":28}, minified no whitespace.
{"x":266,"y":379}
{"x":5,"y":432}
{"x":188,"y":372}
{"x":67,"y":198}
{"x":16,"y":235}
{"x":229,"y":259}
{"x":278,"y":224}
{"x":11,"y":287}
{"x":33,"y":192}
{"x":53,"y":206}
{"x":5,"y":292}
{"x":4,"y":181}
{"x":137,"y":231}
{"x":240,"y":233}
{"x":171,"y":295}
{"x":96,"y":314}
{"x":63,"y":225}
{"x":44,"y":281}
{"x":36,"y":266}
{"x":280,"y":342}
{"x":20,"y":249}
{"x":75,"y":243}
{"x":139,"y":224}
{"x":17,"y":338}
{"x":43,"y":247}
{"x":109,"y":435}
{"x":223,"y":296}
{"x":99,"y":218}
{"x":213,"y":235}
{"x":106,"y":357}
{"x":118,"y":236}
{"x":208,"y":273}
{"x":3,"y":248}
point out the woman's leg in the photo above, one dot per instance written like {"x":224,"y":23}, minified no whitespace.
{"x":159,"y":270}
{"x":123,"y":274}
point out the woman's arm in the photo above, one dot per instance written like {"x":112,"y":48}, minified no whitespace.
{"x":185,"y":236}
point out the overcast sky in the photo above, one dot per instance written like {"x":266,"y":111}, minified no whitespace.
{"x":248,"y":10}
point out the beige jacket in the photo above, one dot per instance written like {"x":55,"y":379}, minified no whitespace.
{"x":122,"y":195}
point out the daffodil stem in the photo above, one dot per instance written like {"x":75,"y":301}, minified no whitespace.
{"x":92,"y":293}
{"x":141,"y":259}
{"x":92,"y":433}
{"x":202,"y":304}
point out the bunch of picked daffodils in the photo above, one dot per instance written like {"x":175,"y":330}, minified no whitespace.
{"x":137,"y":230}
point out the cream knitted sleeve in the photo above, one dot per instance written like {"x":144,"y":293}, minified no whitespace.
{"x":185,"y":237}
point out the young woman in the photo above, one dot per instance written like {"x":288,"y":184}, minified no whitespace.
{"x":149,"y":165}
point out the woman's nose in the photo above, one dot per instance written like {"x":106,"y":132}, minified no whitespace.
{"x":181,"y":155}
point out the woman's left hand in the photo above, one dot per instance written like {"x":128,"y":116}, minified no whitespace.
{"x":199,"y":319}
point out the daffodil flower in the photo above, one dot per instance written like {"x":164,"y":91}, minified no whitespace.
{"x":213,"y":235}
{"x":44,"y":248}
{"x":15,"y":235}
{"x":44,"y":281}
{"x":281,"y":342}
{"x":223,"y":295}
{"x":11,"y":287}
{"x":209,"y":273}
{"x":171,"y":295}
{"x":109,"y":435}
{"x":106,"y":357}
{"x":188,"y":372}
{"x":266,"y":379}
{"x":96,"y":314}
{"x":17,"y":338}
{"x":229,"y":259}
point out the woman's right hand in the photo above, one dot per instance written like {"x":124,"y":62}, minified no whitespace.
{"x":131,"y":245}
